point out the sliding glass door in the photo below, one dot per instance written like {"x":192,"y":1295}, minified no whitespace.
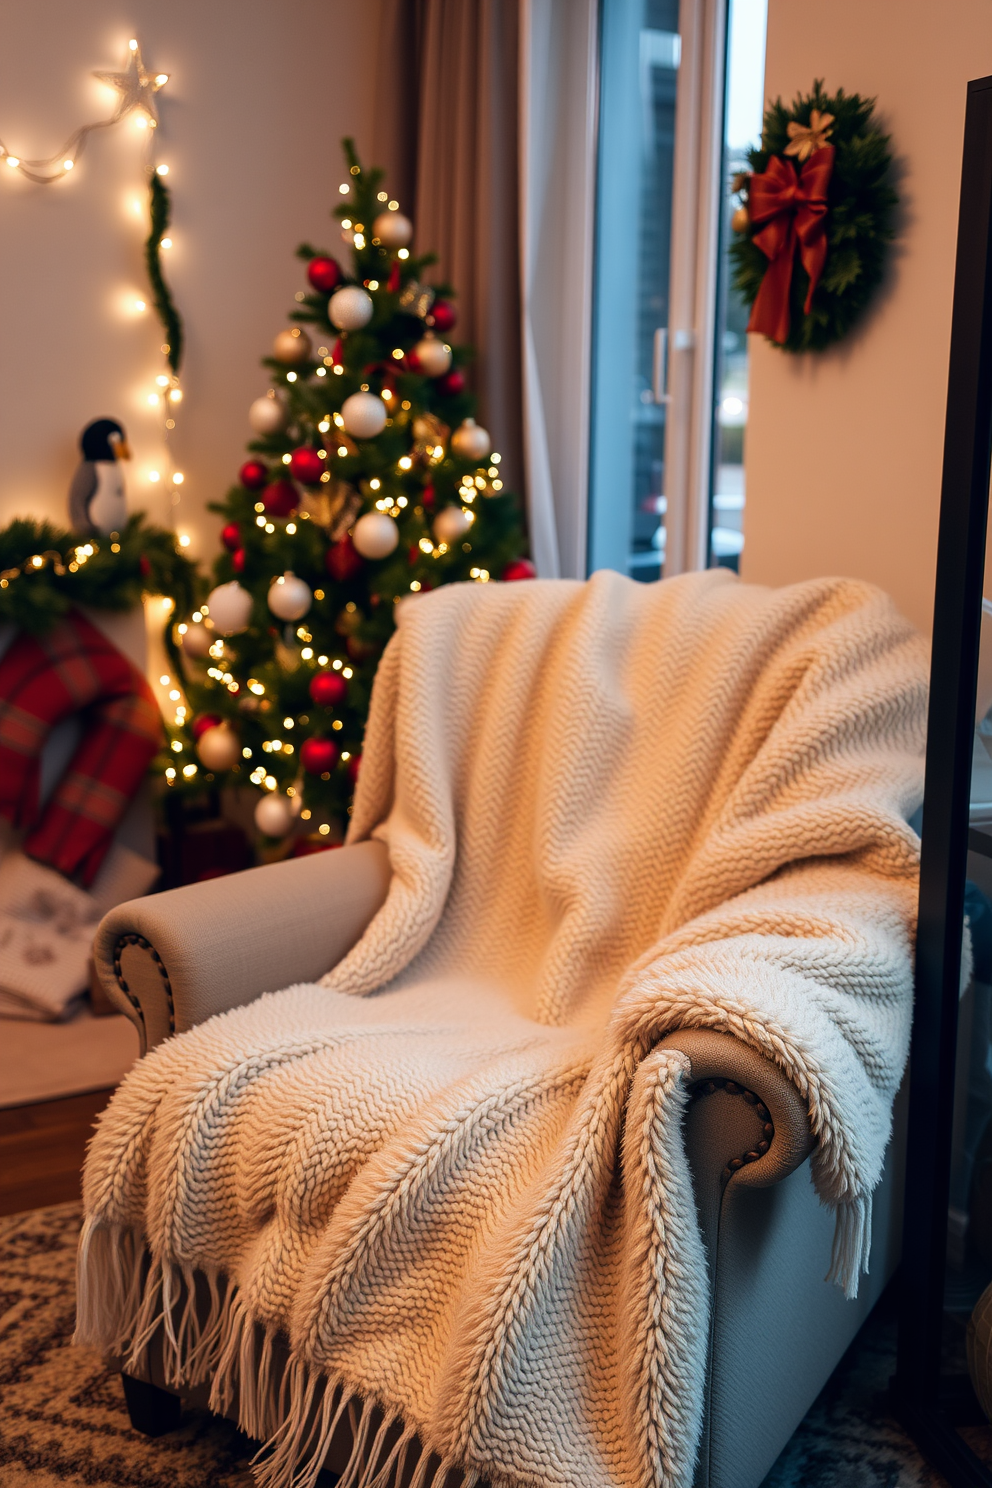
{"x":678,"y":84}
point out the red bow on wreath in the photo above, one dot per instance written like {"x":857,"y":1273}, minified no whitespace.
{"x":793,"y":204}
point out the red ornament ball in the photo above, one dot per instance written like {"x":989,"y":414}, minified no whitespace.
{"x":427,"y":495}
{"x":452,"y":383}
{"x":520,"y":568}
{"x":280,"y":498}
{"x":253,"y":475}
{"x":328,"y":689}
{"x":443,"y":315}
{"x":205,"y":721}
{"x":231,"y":537}
{"x":354,"y":765}
{"x":238,"y":561}
{"x":144,"y":567}
{"x":343,"y":560}
{"x":306,"y":466}
{"x":323,"y":274}
{"x":318,"y":755}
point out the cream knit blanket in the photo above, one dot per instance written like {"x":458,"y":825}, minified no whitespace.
{"x":462,"y":1203}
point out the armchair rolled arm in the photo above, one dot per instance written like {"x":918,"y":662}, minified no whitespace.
{"x":746,"y":1122}
{"x":172,"y":960}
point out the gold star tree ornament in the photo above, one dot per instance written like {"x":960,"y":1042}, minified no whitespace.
{"x":137,"y":88}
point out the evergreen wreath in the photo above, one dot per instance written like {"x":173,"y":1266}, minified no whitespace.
{"x":860,"y":206}
{"x":45,"y":570}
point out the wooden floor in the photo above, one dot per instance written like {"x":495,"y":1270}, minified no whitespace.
{"x":42,"y":1149}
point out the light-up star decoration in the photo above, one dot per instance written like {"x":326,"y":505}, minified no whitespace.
{"x":137,"y":88}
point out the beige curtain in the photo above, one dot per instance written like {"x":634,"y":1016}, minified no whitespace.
{"x":485,"y":120}
{"x":447,"y":130}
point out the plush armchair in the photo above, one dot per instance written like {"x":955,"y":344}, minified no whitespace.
{"x":779,"y":1328}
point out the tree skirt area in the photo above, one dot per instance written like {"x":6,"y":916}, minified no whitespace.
{"x":63,"y":1420}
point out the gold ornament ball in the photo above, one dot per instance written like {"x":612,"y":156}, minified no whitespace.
{"x":740,"y":220}
{"x":433,"y":356}
{"x":292,"y":347}
{"x":471,"y":441}
{"x":219,"y":747}
{"x":392,"y":229}
{"x":451,"y":524}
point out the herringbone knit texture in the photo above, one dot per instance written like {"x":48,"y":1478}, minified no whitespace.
{"x":612,"y":810}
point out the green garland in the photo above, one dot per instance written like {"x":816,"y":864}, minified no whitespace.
{"x":861,"y":204}
{"x":160,"y":210}
{"x":45,"y":570}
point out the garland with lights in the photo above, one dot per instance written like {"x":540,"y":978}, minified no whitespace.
{"x":815,"y":219}
{"x":369,"y":481}
{"x":160,"y":211}
{"x":45,"y":570}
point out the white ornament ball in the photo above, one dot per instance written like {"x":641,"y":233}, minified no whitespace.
{"x":350,"y":308}
{"x":471,"y":441}
{"x":267,"y":415}
{"x":392,"y":229}
{"x":219,"y":747}
{"x":289,"y":598}
{"x":364,"y":415}
{"x":451,"y":524}
{"x":375,"y":535}
{"x":229,"y":607}
{"x":196,"y":640}
{"x":433,"y":356}
{"x":273,"y":815}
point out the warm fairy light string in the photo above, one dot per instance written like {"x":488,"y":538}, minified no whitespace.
{"x":137,"y":90}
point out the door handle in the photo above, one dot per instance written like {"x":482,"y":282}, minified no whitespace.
{"x":659,"y":367}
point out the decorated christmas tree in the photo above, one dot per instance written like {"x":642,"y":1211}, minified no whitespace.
{"x":369,"y":482}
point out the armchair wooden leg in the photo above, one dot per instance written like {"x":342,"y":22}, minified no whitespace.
{"x":153,"y":1411}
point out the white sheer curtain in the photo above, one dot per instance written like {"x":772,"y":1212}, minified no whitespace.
{"x":558,"y":91}
{"x":486,"y":121}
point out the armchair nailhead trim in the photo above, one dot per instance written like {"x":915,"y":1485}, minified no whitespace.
{"x":709,"y":1087}
{"x":146,"y":945}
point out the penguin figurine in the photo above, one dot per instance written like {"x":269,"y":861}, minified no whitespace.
{"x":97,"y":505}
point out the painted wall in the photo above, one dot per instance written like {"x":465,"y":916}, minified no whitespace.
{"x":258,"y":98}
{"x":844,"y":450}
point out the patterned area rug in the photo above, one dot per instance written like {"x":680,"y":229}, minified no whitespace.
{"x":62,"y":1416}
{"x":63,"y":1420}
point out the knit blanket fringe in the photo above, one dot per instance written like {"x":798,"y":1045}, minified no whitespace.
{"x":126,"y":1301}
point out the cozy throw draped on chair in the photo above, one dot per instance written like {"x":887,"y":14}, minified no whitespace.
{"x":446,"y":1191}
